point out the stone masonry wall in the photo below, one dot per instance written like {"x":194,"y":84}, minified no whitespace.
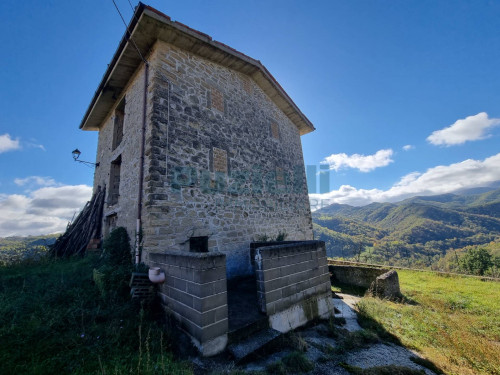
{"x":222,"y":161}
{"x":195,"y":292}
{"x":125,"y":209}
{"x":356,"y":275}
{"x":293,"y":283}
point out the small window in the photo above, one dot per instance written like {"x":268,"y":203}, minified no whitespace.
{"x":114,"y":181}
{"x":118,"y":124}
{"x":198,"y":244}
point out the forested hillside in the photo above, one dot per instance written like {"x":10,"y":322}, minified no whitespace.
{"x":416,"y":232}
{"x":15,"y":249}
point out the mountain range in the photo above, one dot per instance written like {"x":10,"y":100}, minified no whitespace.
{"x":420,"y":229}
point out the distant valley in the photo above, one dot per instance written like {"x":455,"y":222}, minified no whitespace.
{"x":16,"y":248}
{"x":417,"y":232}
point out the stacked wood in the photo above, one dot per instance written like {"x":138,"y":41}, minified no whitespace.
{"x":85,"y":227}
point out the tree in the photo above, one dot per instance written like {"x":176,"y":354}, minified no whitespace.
{"x":476,"y":261}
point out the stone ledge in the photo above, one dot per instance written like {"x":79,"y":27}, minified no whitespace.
{"x":189,"y":260}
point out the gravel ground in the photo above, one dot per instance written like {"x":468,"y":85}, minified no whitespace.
{"x":384,"y":354}
{"x":320,"y":348}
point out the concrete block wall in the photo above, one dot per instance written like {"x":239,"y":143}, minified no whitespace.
{"x":255,"y":245}
{"x":195,"y":292}
{"x":293,"y":283}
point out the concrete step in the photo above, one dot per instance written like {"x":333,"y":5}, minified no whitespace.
{"x":240,"y":333}
{"x":253,"y":344}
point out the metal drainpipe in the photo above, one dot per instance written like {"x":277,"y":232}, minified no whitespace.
{"x":141,"y":168}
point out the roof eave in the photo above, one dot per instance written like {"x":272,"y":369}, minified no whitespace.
{"x":126,"y":60}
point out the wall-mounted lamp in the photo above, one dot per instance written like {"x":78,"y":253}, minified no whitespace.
{"x":76,"y":154}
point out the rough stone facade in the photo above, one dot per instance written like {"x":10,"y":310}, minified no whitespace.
{"x":221,"y":161}
{"x":199,"y":114}
{"x":123,"y":212}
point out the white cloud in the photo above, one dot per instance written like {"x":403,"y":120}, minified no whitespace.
{"x":437,"y":180}
{"x":365,"y":163}
{"x":43,"y":211}
{"x":35,"y":180}
{"x":8,"y":144}
{"x":408,"y":147}
{"x":36,"y":145}
{"x":471,"y":128}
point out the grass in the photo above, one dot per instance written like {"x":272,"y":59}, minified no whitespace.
{"x":54,"y":320}
{"x":453,"y":321}
{"x":293,"y":363}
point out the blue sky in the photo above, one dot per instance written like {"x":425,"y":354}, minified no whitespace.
{"x":372,"y":76}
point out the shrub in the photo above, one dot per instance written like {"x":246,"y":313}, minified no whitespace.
{"x":276,"y":368}
{"x":116,"y":248}
{"x":112,"y":275}
{"x":297,"y":362}
{"x":476,"y":261}
{"x":281,"y":236}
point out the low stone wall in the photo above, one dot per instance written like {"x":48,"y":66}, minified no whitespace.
{"x":195,"y":292}
{"x":355,"y":275}
{"x":293,"y":283}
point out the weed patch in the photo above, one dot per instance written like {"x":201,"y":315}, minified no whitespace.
{"x":54,"y":320}
{"x":297,"y":362}
{"x":276,"y":368}
{"x":347,"y":341}
{"x":293,"y":363}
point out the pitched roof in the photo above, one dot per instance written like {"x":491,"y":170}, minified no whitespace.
{"x":146,"y":27}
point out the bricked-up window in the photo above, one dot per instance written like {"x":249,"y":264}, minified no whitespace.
{"x":280,"y":176}
{"x":275,"y":130}
{"x":198,"y":244}
{"x":110,"y":224}
{"x":118,"y":124}
{"x":220,"y":160}
{"x":114,"y":181}
{"x":217,"y":100}
{"x":247,"y":85}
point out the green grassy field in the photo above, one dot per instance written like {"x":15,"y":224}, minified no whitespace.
{"x":53,"y":320}
{"x":453,"y":321}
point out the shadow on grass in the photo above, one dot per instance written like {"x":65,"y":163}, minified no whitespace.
{"x":359,"y":291}
{"x":373,"y":329}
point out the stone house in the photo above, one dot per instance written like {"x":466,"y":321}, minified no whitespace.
{"x":199,"y":149}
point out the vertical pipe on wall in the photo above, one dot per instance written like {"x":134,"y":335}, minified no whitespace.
{"x":141,"y":167}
